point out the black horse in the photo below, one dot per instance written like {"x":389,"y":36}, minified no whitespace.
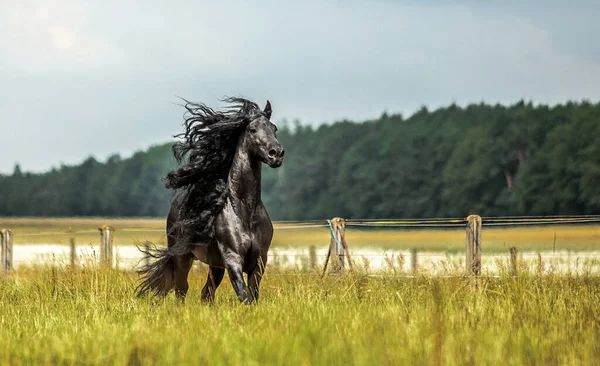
{"x":217,"y":215}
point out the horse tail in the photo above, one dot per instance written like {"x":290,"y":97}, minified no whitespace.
{"x":158,"y":272}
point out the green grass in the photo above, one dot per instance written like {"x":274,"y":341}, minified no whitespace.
{"x":90,"y":316}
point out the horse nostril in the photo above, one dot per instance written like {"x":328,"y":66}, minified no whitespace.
{"x":282,"y":153}
{"x":272,"y":152}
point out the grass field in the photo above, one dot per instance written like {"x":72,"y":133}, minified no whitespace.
{"x":59,"y":316}
{"x":132,"y":231}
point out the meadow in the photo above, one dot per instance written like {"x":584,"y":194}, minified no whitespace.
{"x":89,"y":315}
{"x":51,"y":316}
{"x":137,"y":231}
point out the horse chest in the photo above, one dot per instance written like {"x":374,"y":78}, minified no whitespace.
{"x":243,"y":228}
{"x":253,"y":233}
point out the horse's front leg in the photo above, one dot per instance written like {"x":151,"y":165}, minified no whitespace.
{"x":256,"y":275}
{"x":232,"y":243}
{"x":234,"y":264}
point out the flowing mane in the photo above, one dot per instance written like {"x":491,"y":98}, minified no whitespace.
{"x":205,"y":152}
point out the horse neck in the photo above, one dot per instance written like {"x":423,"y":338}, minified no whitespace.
{"x":245,"y":177}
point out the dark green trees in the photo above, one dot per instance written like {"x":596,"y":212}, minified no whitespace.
{"x":493,"y":160}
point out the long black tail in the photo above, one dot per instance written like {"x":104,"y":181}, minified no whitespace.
{"x":157,"y":274}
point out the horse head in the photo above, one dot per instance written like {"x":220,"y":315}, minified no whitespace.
{"x":261,"y":138}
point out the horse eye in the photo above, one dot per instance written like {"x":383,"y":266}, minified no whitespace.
{"x":252,"y":129}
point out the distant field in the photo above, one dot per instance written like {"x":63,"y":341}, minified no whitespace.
{"x":132,"y":231}
{"x":59,"y":316}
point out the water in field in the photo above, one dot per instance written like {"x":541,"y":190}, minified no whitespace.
{"x":371,"y":260}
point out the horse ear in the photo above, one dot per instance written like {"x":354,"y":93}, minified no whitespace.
{"x":268,"y":110}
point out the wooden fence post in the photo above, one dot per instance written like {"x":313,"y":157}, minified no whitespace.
{"x":106,"y":246}
{"x":6,"y":251}
{"x":312,"y":257}
{"x":338,"y":247}
{"x":147,"y":247}
{"x":513,"y":261}
{"x":73,"y":252}
{"x":342,"y":234}
{"x":413,"y":259}
{"x":473,"y":261}
{"x":336,"y":264}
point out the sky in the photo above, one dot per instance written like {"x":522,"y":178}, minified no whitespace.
{"x":81,"y":78}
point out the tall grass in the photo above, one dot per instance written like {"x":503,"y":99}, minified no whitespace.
{"x":90,"y":316}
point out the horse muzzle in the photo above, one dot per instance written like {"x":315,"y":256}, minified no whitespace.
{"x":275,"y":157}
{"x":275,"y":162}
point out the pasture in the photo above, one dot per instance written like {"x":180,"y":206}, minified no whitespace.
{"x":90,"y":316}
{"x":55,"y":314}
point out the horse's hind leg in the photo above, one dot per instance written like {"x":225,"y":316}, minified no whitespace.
{"x":215,"y":276}
{"x":181,"y":269}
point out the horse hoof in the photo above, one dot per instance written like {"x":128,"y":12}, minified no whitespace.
{"x":180,"y":298}
{"x":207,"y":300}
{"x":247,"y":301}
{"x":246,"y":298}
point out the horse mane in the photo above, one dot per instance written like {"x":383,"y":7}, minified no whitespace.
{"x":205,"y":152}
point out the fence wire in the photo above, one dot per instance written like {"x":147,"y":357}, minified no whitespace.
{"x":492,"y":221}
{"x":500,"y":221}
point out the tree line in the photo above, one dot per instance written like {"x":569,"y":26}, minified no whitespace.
{"x":521,"y":159}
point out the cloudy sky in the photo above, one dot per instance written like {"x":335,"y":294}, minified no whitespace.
{"x":80,"y":78}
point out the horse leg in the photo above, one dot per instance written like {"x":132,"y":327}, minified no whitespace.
{"x":215,"y":276}
{"x":181,"y":269}
{"x":237,"y":281}
{"x":234,"y":264}
{"x":255,"y":276}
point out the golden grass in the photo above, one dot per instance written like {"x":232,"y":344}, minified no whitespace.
{"x":138,"y":230}
{"x":90,"y":317}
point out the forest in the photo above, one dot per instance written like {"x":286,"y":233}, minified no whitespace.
{"x":519,"y":159}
